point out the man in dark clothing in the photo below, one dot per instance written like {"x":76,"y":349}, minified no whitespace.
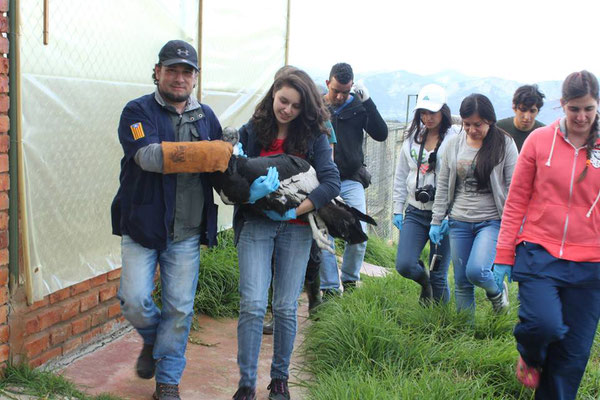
{"x":526,"y":104}
{"x":351,"y":114}
{"x":164,"y":209}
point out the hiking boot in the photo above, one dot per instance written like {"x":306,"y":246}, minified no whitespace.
{"x":313,"y":292}
{"x":278,"y":389}
{"x":146,"y":364}
{"x":329,"y":294}
{"x":245,"y":393}
{"x":268,"y":326}
{"x":500,"y":301}
{"x":426,"y":296}
{"x":349,"y":286}
{"x":528,"y":376}
{"x":165,"y":391}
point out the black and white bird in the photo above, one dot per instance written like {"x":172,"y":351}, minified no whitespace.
{"x":297,"y":178}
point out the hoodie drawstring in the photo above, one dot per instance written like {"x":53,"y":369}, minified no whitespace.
{"x":552,"y":148}
{"x":593,"y":205}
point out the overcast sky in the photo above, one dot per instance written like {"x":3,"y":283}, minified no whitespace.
{"x":524,"y":40}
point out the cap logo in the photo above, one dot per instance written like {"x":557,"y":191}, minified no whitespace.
{"x":181,"y":52}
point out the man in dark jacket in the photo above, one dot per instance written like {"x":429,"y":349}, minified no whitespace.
{"x":164,"y":209}
{"x":351,"y":114}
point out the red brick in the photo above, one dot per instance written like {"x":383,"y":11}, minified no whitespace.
{"x":99,"y":280}
{"x":4,"y":182}
{"x":4,"y":121}
{"x":32,"y":325}
{"x":3,"y":239}
{"x":3,"y":5}
{"x":4,"y":67}
{"x":121,"y":319}
{"x":4,"y":333}
{"x":36,"y":345}
{"x":3,"y":314}
{"x":3,"y":270}
{"x":4,"y":202}
{"x":89,"y":301}
{"x":4,"y":99}
{"x":44,"y":358}
{"x":49,"y":317}
{"x":80,"y":288}
{"x":69,"y":309}
{"x":4,"y":139}
{"x":4,"y":86}
{"x":99,"y":316}
{"x":91,"y":335}
{"x":3,"y":220}
{"x":114,"y":309}
{"x":4,"y":352}
{"x":3,"y":24}
{"x":81,"y":324}
{"x":60,"y":334}
{"x":108,"y":327}
{"x":61,"y":295}
{"x":72,"y":344}
{"x":114,"y":274}
{"x":3,"y":295}
{"x":108,"y":293}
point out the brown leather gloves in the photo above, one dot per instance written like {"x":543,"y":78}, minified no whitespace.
{"x":192,"y":157}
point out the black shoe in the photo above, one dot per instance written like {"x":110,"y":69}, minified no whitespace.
{"x":244,"y":393}
{"x":313,"y":292}
{"x":329,"y":294}
{"x":349,"y":286}
{"x":145,"y":363}
{"x":426,"y":296}
{"x":268,"y":327}
{"x":165,"y":391}
{"x":278,"y":389}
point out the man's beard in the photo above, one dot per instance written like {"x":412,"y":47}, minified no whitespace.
{"x":172,"y":98}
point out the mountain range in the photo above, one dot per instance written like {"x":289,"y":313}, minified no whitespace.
{"x":390,"y":92}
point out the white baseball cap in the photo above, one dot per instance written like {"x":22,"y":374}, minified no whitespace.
{"x":431,"y":97}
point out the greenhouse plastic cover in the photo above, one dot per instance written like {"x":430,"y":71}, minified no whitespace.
{"x":101,"y":55}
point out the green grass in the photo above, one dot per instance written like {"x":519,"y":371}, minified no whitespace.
{"x":43,"y":384}
{"x":378,"y":343}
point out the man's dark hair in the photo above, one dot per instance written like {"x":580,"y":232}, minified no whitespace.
{"x":342,"y":73}
{"x":528,"y":95}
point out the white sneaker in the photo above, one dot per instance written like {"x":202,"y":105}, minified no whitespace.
{"x":500,"y":301}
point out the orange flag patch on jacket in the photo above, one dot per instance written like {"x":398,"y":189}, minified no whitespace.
{"x":137,"y":131}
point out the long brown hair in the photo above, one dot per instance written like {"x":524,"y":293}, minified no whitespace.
{"x":308,"y":124}
{"x":580,"y":84}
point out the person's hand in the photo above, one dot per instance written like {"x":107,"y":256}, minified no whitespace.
{"x":238,"y":150}
{"x":263,"y":185}
{"x":398,"y":221}
{"x":435,"y":234}
{"x":275,"y":216}
{"x":444,"y":228}
{"x":361,"y":91}
{"x":500,"y":271}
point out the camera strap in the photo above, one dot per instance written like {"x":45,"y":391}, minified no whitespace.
{"x":419,"y":159}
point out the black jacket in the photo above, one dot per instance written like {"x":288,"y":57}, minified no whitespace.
{"x":348,"y":126}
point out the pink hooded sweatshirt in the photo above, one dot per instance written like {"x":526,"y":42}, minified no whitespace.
{"x":561,"y":214}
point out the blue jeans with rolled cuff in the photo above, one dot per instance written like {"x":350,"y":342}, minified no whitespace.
{"x":413,"y":237}
{"x":167,"y":328}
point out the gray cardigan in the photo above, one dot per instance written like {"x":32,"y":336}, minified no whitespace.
{"x":446,"y":180}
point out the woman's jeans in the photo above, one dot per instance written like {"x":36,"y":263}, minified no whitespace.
{"x":413,"y":237}
{"x":288,"y":247}
{"x":167,"y":328}
{"x":558,"y":317}
{"x":473,"y":247}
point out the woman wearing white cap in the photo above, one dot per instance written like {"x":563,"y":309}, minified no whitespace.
{"x":414,"y":190}
{"x":475,"y":173}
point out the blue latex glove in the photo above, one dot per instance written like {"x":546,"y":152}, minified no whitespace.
{"x":435,"y":234}
{"x":275,"y":216}
{"x":263,"y":185}
{"x":444,"y":228}
{"x":238,"y":150}
{"x":500,"y":271}
{"x":398,"y":221}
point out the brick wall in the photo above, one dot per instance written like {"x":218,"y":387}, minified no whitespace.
{"x":4,"y":183}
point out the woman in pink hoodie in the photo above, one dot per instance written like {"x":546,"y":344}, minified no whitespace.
{"x":550,"y":243}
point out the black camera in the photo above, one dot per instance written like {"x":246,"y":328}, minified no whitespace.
{"x":425,"y":194}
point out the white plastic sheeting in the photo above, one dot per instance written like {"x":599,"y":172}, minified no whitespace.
{"x":100,"y":55}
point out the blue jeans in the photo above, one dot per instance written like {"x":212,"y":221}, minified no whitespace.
{"x":413,"y":237}
{"x":166,"y":329}
{"x":473,"y":247}
{"x":353,"y":194}
{"x":558,"y":316}
{"x":261,"y":242}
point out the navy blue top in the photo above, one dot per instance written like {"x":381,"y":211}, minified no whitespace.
{"x":144,"y":205}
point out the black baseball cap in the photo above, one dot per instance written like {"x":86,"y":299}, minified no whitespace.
{"x":178,"y":52}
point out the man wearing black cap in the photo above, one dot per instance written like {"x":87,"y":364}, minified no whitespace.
{"x":164,"y":210}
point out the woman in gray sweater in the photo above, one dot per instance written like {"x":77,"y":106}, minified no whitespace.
{"x":477,"y":167}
